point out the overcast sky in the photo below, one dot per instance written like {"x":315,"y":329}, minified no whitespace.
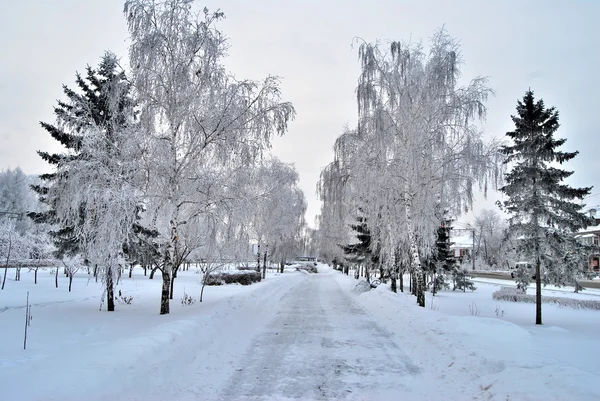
{"x":551,"y":46}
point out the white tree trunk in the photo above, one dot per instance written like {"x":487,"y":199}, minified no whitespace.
{"x":414,"y":250}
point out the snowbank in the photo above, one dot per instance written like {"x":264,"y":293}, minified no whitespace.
{"x":478,"y":355}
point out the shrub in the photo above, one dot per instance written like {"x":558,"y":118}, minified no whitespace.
{"x":187,"y":299}
{"x":512,"y":294}
{"x":474,"y":309}
{"x":308,"y":268}
{"x":362,"y":286}
{"x":244,"y":268}
{"x":243,"y":277}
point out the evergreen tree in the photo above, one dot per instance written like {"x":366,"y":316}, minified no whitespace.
{"x":542,"y":210}
{"x":360,"y":252}
{"x":444,"y":260}
{"x":462,"y":280}
{"x":87,"y":125}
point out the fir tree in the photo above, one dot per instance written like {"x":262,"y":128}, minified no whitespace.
{"x":462,"y":280}
{"x":444,"y":260}
{"x":360,"y":252}
{"x":93,"y":106}
{"x":543,"y":214}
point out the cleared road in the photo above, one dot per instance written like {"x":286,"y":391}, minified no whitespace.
{"x":321,"y":345}
{"x":506,"y":276}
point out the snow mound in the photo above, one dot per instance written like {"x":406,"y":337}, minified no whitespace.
{"x":361,"y":287}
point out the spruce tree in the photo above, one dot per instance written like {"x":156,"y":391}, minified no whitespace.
{"x":444,"y":261}
{"x":360,"y":252}
{"x":543,"y":214}
{"x":93,"y":105}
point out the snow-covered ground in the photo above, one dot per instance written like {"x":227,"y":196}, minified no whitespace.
{"x":479,"y":348}
{"x":295,"y":336}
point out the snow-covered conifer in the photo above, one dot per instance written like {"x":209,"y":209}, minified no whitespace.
{"x":543,"y":210}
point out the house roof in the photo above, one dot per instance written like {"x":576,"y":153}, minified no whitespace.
{"x":588,"y":230}
{"x":461,"y":241}
{"x":590,"y":235}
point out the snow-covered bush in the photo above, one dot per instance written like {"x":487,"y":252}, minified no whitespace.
{"x":308,"y":268}
{"x":362,"y":286}
{"x":512,"y":294}
{"x":462,"y":280}
{"x":243,"y":277}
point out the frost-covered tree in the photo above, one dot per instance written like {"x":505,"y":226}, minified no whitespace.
{"x":416,"y":149}
{"x":542,"y":208}
{"x":72,"y":265}
{"x":92,"y":192}
{"x":17,"y":199}
{"x":19,"y":236}
{"x":279,"y":215}
{"x":199,"y":121}
{"x":359,"y":252}
{"x":489,"y":235}
{"x":41,"y":251}
{"x":443,"y":259}
{"x":7,"y":245}
{"x":335,"y":218}
{"x":462,"y":280}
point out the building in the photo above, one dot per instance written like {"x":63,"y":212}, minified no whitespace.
{"x":591,"y":235}
{"x":461,"y":243}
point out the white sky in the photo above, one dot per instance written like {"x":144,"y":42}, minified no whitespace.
{"x":550,"y":46}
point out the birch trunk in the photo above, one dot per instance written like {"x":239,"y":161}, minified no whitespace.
{"x":110,"y":294}
{"x":414,"y":252}
{"x":170,"y":260}
{"x":174,"y":276}
{"x":166,"y":282}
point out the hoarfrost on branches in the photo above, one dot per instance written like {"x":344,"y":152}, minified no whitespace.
{"x":199,"y":123}
{"x":416,"y":150}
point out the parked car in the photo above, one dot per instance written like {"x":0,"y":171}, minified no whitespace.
{"x":524,"y":265}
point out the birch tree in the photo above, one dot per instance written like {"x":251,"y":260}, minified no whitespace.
{"x":198,"y":120}
{"x":281,"y":207}
{"x":416,"y":149}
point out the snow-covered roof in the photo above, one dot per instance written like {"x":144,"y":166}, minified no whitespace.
{"x":461,"y":241}
{"x":590,"y":235}
{"x":587,"y":230}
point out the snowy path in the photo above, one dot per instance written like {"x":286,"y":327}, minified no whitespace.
{"x":320,"y":346}
{"x":293,"y":336}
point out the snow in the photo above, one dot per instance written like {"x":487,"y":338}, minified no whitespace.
{"x":291,"y":336}
{"x":461,"y":241}
{"x":495,"y":357}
